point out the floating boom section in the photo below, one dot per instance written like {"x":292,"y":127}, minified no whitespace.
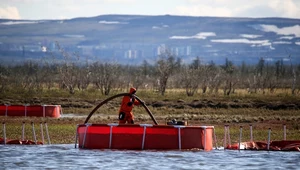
{"x":31,"y":110}
{"x":144,"y":136}
{"x":281,"y":145}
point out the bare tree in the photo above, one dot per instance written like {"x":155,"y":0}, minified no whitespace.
{"x":84,"y":76}
{"x":294,"y":77}
{"x":230,"y":77}
{"x":166,"y":64}
{"x":68,"y":70}
{"x":189,"y":79}
{"x":105,"y":75}
{"x":31,"y":79}
{"x":4,"y":78}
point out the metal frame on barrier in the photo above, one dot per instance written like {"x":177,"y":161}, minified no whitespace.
{"x":111,"y":125}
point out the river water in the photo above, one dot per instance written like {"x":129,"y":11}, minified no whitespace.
{"x":67,"y":157}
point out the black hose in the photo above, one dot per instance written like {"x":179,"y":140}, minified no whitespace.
{"x":119,"y":95}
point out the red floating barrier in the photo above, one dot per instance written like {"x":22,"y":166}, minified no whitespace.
{"x":140,"y":137}
{"x":31,"y":110}
{"x":281,"y":145}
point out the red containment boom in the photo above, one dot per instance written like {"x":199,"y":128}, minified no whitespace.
{"x":145,"y":136}
{"x":31,"y":110}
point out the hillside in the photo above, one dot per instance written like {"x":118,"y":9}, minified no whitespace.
{"x":134,"y":38}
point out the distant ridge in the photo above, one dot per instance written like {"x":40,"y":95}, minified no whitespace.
{"x":136,"y":38}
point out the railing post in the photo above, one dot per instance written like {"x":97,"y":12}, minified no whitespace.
{"x":6,"y":109}
{"x":23,"y":131}
{"x":215,"y":138}
{"x":42,"y":132}
{"x":284,"y":132}
{"x":228,"y":133}
{"x":33,"y":132}
{"x":225,"y":140}
{"x":76,"y":135}
{"x":241,"y":129}
{"x":47,"y":132}
{"x":4,"y":133}
{"x":84,"y":137}
{"x":269,"y":139}
{"x":44,"y":110}
{"x":25,"y":105}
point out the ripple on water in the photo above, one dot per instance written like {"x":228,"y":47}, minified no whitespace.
{"x":67,"y":157}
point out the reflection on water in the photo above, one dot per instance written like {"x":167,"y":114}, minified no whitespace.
{"x":67,"y":157}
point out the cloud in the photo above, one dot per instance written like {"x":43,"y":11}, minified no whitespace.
{"x":203,"y":10}
{"x":9,"y":12}
{"x":111,"y":22}
{"x":281,"y":42}
{"x":119,"y":1}
{"x":293,"y":30}
{"x":18,"y":22}
{"x":245,"y":41}
{"x":250,"y":36}
{"x":201,"y":35}
{"x":241,"y":8}
{"x":287,"y":37}
{"x":287,"y":8}
{"x":25,"y":1}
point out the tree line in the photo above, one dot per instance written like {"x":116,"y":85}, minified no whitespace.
{"x":168,"y":72}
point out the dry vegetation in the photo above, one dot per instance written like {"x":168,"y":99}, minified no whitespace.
{"x":262,"y":111}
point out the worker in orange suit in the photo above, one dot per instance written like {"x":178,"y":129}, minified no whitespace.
{"x":125,"y":113}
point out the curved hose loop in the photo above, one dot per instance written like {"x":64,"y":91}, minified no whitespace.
{"x":119,"y":95}
{"x":147,"y":109}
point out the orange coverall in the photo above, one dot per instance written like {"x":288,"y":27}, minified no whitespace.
{"x":125,"y":113}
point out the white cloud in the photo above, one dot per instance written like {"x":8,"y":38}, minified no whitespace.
{"x":201,"y":35}
{"x":287,"y":37}
{"x":203,"y":10}
{"x":156,"y":27}
{"x":118,"y":1}
{"x":160,"y":27}
{"x":245,"y":41}
{"x":297,"y":43}
{"x":9,"y":12}
{"x":281,"y":42}
{"x":46,"y":9}
{"x":250,"y":36}
{"x":18,"y":22}
{"x":293,"y":30}
{"x":241,"y":8}
{"x":287,"y":8}
{"x":111,"y":22}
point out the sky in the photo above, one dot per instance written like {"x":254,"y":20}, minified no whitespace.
{"x":67,"y":9}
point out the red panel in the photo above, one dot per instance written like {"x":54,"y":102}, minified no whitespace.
{"x":208,"y":138}
{"x":127,"y":137}
{"x":97,"y":137}
{"x":2,"y":110}
{"x":284,"y":143}
{"x":35,"y":110}
{"x":191,"y":138}
{"x":16,"y":110}
{"x":53,"y":111}
{"x":161,"y":137}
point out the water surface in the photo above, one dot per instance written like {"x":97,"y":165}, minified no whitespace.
{"x":67,"y":157}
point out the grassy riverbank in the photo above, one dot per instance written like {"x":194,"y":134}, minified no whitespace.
{"x":263,"y":111}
